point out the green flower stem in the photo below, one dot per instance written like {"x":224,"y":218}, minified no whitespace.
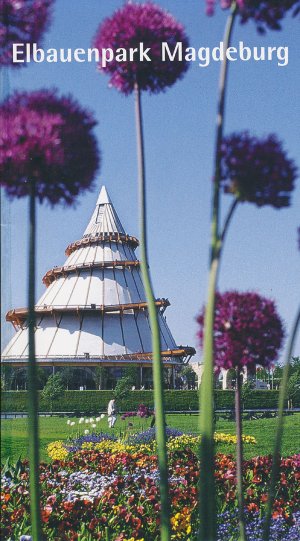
{"x":279,"y":429}
{"x":156,"y":345}
{"x":223,"y":234}
{"x":207,"y":531}
{"x":239,"y":456}
{"x":227,"y":221}
{"x":33,"y":430}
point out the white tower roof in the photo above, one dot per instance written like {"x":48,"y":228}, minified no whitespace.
{"x":104,"y":218}
{"x":94,"y":309}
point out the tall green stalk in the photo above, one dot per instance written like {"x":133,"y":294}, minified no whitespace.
{"x":33,"y":430}
{"x":153,"y":317}
{"x":279,"y":429}
{"x":207,"y":531}
{"x":239,"y":457}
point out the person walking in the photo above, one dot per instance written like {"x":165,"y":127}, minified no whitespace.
{"x":112,"y":413}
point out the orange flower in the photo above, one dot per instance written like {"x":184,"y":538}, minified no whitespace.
{"x":68,"y":506}
{"x":46,"y":512}
{"x":252,"y":507}
{"x":256,"y":479}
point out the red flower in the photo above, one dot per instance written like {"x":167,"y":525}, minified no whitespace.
{"x":253,"y":507}
{"x":93,"y":523}
{"x":68,"y":506}
{"x":257,"y":479}
{"x":45,"y":513}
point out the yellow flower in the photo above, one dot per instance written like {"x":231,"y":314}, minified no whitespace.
{"x":133,"y":539}
{"x":181,"y":525}
{"x":57,"y":451}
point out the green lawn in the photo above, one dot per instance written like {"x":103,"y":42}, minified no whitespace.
{"x":14,"y":439}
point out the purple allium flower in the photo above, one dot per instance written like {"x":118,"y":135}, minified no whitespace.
{"x":48,"y":139}
{"x":257,"y":170}
{"x":22,"y":21}
{"x":146,"y":24}
{"x":247,"y":330}
{"x":144,"y":411}
{"x":265,"y":13}
{"x":128,"y":414}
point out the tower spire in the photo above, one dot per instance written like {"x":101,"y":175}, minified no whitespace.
{"x":104,"y":218}
{"x":103,"y":198}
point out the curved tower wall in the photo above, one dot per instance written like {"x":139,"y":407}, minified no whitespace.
{"x":94,"y":308}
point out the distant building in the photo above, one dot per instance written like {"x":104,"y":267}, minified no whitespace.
{"x":94,"y":310}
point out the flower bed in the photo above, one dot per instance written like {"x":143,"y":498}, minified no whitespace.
{"x":141,"y":442}
{"x":94,"y":490}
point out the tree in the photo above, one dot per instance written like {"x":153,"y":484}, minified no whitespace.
{"x":67,"y":375}
{"x":122,"y":388}
{"x":189,"y":376}
{"x":131,"y":372}
{"x":246,"y":391}
{"x":295,"y":366}
{"x":6,"y":378}
{"x":100,"y":376}
{"x":293,"y":387}
{"x":53,"y":389}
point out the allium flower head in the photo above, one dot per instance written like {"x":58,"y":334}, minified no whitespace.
{"x":130,"y":26}
{"x":22,"y":21}
{"x":267,"y":14}
{"x":257,"y":170}
{"x":47,"y":139}
{"x":247,"y":330}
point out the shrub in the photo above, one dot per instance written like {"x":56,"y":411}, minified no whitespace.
{"x":92,"y":402}
{"x":53,"y":390}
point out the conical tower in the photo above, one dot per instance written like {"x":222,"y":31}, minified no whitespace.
{"x":94,"y":309}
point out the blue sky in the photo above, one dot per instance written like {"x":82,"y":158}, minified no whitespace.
{"x":261,"y":248}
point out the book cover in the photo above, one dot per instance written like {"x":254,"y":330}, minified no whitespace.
{"x":190,"y":109}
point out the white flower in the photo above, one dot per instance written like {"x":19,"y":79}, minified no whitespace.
{"x":91,"y":420}
{"x":86,"y":431}
{"x":98,"y":419}
{"x":87,"y":421}
{"x":94,"y":426}
{"x":102,"y":416}
{"x":72,"y":424}
{"x":81,"y":420}
{"x":68,"y":422}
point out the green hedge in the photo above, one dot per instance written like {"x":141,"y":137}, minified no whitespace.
{"x":90,"y":402}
